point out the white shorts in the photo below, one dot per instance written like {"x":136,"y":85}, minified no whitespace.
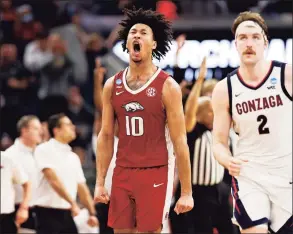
{"x":265,"y":200}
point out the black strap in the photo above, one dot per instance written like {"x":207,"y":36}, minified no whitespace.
{"x":283,"y":65}
{"x":229,"y":92}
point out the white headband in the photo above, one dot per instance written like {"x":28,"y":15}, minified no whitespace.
{"x":250,"y":23}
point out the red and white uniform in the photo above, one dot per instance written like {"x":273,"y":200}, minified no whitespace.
{"x":141,"y":172}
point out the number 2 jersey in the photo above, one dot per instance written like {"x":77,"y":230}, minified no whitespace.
{"x":142,"y":122}
{"x":262,"y":116}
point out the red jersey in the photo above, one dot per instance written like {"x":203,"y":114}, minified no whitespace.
{"x":142,"y":121}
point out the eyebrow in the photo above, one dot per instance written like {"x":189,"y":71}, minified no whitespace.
{"x":134,"y":29}
{"x":254,"y":34}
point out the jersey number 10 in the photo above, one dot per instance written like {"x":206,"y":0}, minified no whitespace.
{"x":134,"y":126}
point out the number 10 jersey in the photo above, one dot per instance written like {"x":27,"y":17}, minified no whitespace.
{"x":142,"y":122}
{"x":262,"y":116}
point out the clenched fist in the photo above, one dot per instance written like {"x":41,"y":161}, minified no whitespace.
{"x":184,"y":204}
{"x":234,"y":166}
{"x":101,"y":195}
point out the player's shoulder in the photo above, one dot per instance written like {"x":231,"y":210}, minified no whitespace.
{"x":220,"y":93}
{"x":221,"y":87}
{"x":171,"y":85}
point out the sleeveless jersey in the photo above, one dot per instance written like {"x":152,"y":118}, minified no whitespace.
{"x":262,"y":116}
{"x":142,"y":121}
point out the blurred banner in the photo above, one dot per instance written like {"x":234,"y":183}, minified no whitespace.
{"x":219,"y":47}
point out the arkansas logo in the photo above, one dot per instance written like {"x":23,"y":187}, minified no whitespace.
{"x":133,"y":106}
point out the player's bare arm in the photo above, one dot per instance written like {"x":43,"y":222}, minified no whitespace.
{"x":192,"y":100}
{"x":105,"y":142}
{"x":221,"y":129}
{"x":172,"y":100}
{"x":288,"y":78}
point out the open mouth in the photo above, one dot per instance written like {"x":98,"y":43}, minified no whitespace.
{"x":136,"y":46}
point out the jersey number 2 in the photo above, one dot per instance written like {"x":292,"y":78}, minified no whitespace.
{"x":134,"y":126}
{"x":263,"y":121}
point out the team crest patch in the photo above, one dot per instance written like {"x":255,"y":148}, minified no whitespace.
{"x":133,"y":106}
{"x":273,"y":80}
{"x":118,"y":82}
{"x":151,"y":92}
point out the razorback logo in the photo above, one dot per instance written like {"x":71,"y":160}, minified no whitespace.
{"x":133,"y":106}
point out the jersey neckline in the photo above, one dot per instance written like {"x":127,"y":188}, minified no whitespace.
{"x":153,"y":77}
{"x":262,"y":81}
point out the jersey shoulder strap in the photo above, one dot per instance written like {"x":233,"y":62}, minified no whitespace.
{"x":229,"y":85}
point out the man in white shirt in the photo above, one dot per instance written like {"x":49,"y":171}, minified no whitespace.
{"x":60,"y":180}
{"x":12,"y":173}
{"x":38,"y":53}
{"x":29,"y":128}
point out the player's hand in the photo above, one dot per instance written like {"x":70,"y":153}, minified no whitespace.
{"x":180,"y":41}
{"x":184,"y":204}
{"x":202,"y":70}
{"x":74,"y":209}
{"x":99,"y":71}
{"x":93,"y":221}
{"x":101,"y":195}
{"x":234,"y":166}
{"x":21,"y":216}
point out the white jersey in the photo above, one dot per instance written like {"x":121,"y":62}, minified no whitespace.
{"x":262,"y":116}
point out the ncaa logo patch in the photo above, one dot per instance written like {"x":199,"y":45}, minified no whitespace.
{"x":273,"y":80}
{"x":118,"y":82}
{"x":151,"y":92}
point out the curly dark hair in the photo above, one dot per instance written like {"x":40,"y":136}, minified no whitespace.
{"x":160,"y":26}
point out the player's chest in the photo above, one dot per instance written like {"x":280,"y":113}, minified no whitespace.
{"x":145,"y":102}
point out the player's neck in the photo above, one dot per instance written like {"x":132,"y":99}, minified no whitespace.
{"x":254,"y":72}
{"x":141,"y":70}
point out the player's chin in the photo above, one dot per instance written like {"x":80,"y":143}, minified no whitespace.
{"x":136,"y":60}
{"x":249,"y":60}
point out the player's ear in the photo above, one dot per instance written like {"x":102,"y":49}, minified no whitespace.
{"x":154,"y":45}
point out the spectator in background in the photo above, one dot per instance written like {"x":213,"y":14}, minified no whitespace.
{"x":12,"y":173}
{"x":95,"y":48}
{"x":29,"y":128}
{"x":25,"y":28}
{"x":7,"y":19}
{"x":38,"y":53}
{"x":82,"y":115}
{"x":167,"y":8}
{"x":56,"y":77}
{"x":73,"y":12}
{"x":18,"y":88}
